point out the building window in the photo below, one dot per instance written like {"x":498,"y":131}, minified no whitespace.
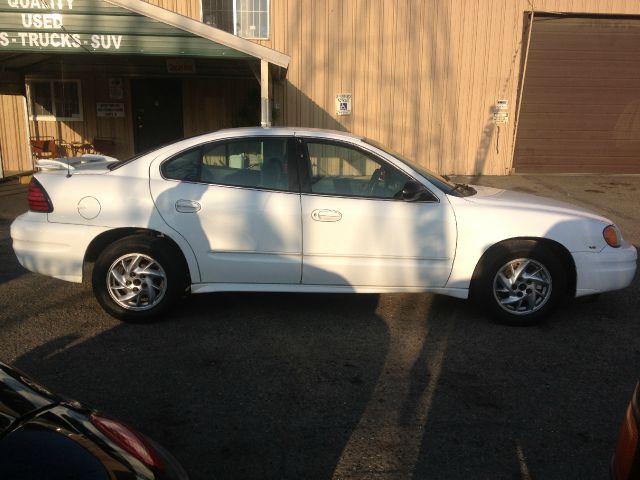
{"x":51,"y":100}
{"x":245,"y":18}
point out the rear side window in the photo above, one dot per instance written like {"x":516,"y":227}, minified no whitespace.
{"x":253,"y":163}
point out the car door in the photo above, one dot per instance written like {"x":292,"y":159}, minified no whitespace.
{"x":357,"y":231}
{"x":237,"y":203}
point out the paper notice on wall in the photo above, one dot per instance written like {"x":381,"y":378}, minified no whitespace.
{"x":116,"y":89}
{"x":501,"y":112}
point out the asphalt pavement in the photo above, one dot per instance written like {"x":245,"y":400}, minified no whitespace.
{"x":398,"y":386}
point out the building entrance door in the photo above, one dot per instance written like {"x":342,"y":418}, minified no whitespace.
{"x":157,"y":112}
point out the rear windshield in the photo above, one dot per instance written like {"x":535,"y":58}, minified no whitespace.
{"x":121,"y":163}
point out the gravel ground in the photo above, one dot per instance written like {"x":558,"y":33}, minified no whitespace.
{"x":396,"y":386}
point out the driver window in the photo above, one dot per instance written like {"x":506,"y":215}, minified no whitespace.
{"x":345,"y":171}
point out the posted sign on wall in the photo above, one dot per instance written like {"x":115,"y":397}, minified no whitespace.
{"x":110,"y":109}
{"x":343,"y":103}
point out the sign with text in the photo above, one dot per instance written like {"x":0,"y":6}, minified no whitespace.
{"x":95,"y":26}
{"x":40,"y":24}
{"x":110,"y":110}
{"x":181,"y":65}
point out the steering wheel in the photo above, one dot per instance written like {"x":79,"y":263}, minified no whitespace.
{"x":373,"y":181}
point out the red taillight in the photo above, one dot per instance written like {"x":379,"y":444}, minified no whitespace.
{"x":38,"y":199}
{"x":127,"y":438}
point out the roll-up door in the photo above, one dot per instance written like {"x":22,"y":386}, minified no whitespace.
{"x":580,"y":108}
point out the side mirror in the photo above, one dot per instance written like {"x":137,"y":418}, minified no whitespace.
{"x":414,"y":191}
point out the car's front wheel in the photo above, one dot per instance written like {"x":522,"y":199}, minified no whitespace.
{"x":520,"y":283}
{"x":137,"y":278}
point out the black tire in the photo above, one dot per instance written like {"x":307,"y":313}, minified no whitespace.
{"x":532,"y":284}
{"x":155,"y":279}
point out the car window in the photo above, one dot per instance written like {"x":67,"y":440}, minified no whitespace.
{"x":442,"y":183}
{"x":346,"y":171}
{"x":253,"y":163}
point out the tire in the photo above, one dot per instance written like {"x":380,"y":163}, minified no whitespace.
{"x":520,"y":283}
{"x":137,"y":278}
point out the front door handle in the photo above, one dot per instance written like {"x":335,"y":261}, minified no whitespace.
{"x":187,"y":206}
{"x":326,"y":215}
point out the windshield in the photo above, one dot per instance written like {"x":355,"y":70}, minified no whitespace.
{"x":440,"y":182}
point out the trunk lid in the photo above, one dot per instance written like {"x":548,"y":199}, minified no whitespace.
{"x":85,"y":164}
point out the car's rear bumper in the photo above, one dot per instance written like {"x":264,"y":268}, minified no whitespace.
{"x":53,"y":249}
{"x":610,"y":269}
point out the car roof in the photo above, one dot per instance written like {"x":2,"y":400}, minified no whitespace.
{"x":230,"y":133}
{"x":251,"y":131}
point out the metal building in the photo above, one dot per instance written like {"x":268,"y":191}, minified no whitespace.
{"x":465,"y":87}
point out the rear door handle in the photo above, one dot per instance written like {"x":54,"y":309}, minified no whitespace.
{"x":187,"y":206}
{"x":326,"y":215}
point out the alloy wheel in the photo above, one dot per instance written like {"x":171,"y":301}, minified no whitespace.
{"x":136,"y":282}
{"x":522,"y":286}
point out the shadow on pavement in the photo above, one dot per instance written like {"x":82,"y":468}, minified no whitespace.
{"x":248,"y":386}
{"x":362,"y":386}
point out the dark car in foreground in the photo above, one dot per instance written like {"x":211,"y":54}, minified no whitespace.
{"x":625,"y":464}
{"x":44,"y":436}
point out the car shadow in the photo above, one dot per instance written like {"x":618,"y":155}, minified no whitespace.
{"x":360,"y":386}
{"x":235,"y":385}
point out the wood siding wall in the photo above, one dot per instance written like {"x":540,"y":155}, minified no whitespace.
{"x":119,"y":130}
{"x":14,"y":136}
{"x":212,"y":104}
{"x":188,"y":8}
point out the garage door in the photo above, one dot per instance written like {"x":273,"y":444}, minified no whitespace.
{"x":581,"y":99}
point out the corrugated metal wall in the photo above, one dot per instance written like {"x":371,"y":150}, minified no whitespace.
{"x":424,"y":74}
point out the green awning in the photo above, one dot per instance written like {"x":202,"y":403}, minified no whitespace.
{"x":118,"y":27}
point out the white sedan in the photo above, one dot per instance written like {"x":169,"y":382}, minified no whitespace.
{"x":303,"y":210}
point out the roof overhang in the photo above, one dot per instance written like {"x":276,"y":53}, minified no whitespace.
{"x":117,"y":27}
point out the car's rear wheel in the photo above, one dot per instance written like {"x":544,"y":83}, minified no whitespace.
{"x":137,"y":278}
{"x":520,"y":283}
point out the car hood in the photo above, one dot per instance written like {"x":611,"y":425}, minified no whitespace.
{"x":524,"y":201}
{"x":20,"y":396}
